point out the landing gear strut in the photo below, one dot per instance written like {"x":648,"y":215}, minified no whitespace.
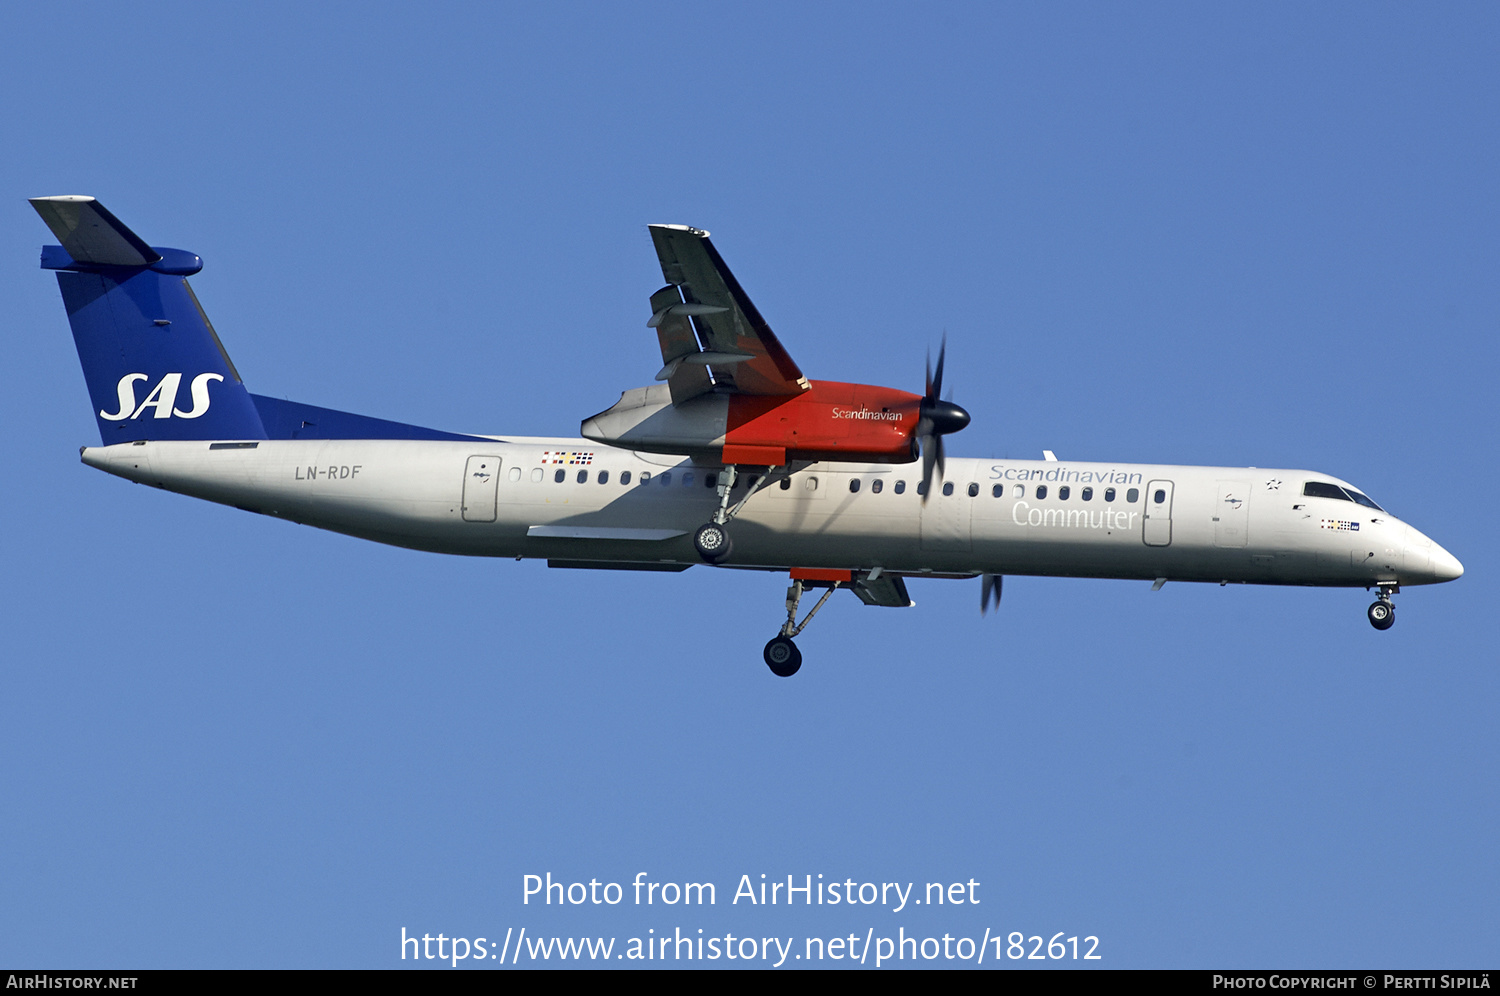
{"x":781,"y":654}
{"x":1381,"y":612}
{"x":712,"y":540}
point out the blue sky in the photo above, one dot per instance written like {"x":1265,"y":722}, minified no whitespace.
{"x":1259,"y":235}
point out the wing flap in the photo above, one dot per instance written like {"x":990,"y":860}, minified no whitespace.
{"x":674,"y":330}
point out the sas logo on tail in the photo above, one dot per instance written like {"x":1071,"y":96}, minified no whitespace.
{"x":163,"y":397}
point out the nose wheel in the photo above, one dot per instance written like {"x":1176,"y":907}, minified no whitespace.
{"x":1381,"y":612}
{"x":781,"y":654}
{"x":783,"y":657}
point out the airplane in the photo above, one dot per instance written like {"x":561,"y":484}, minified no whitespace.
{"x":732,"y":457}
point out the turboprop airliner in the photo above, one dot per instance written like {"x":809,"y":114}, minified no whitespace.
{"x":731,"y":457}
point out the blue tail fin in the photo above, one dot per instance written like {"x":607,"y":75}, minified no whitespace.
{"x":154,"y":365}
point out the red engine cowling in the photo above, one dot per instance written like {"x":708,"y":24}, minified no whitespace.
{"x":830,"y":421}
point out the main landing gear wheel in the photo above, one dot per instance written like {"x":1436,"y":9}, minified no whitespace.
{"x":1382,"y":614}
{"x":712,"y":542}
{"x":783,"y":657}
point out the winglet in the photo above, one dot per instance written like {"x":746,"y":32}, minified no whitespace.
{"x":90,"y":234}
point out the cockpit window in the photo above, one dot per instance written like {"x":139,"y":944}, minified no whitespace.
{"x":1318,"y":489}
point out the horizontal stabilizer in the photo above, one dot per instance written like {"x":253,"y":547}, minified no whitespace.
{"x":90,"y":234}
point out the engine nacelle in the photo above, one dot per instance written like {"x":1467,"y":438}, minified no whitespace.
{"x":829,"y":421}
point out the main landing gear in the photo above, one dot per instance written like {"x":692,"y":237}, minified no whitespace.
{"x":1381,"y":612}
{"x":781,"y":654}
{"x":712,"y":539}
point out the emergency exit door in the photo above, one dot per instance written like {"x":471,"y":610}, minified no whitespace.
{"x":1157,"y":524}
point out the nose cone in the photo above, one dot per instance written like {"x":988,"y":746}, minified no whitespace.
{"x":1445,"y":566}
{"x":1427,"y":562}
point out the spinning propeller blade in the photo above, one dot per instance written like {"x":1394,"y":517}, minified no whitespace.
{"x":990,"y":585}
{"x":937,"y":419}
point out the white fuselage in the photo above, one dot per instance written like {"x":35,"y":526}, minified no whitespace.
{"x":503,"y":499}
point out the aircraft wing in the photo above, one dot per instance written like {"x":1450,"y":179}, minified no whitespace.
{"x":707,"y":325}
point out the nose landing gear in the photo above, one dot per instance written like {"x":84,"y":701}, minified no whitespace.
{"x":1381,"y":612}
{"x":781,"y":654}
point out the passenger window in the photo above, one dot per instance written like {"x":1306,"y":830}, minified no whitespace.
{"x":998,"y":491}
{"x":665,"y":477}
{"x":560,"y":476}
{"x":1019,"y":491}
{"x":921,"y":487}
{"x":786,"y":484}
{"x":853,"y":485}
{"x":1160,"y":496}
{"x":973,"y":490}
{"x":1087,"y":494}
{"x":876,"y":486}
{"x":583,"y":477}
{"x":947,"y":488}
{"x":1063,"y":492}
{"x":624,"y":477}
{"x":900,"y":487}
{"x":515,"y":474}
{"x":1041,"y":491}
{"x":687,"y":479}
{"x":536,"y":475}
{"x":1109,"y":494}
{"x":603,"y":477}
{"x":812,"y":484}
{"x":1133,"y":495}
{"x":710,"y":480}
{"x":645,"y":477}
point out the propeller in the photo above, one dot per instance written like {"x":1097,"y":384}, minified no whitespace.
{"x":990,"y":585}
{"x":937,"y":418}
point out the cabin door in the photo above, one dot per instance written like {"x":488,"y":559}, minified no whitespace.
{"x":481,"y":485}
